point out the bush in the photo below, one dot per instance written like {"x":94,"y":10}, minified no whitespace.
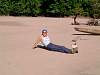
{"x":57,"y":8}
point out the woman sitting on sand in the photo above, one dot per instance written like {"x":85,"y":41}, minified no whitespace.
{"x":45,"y":40}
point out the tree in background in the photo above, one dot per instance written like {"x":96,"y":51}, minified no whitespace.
{"x":59,"y":8}
{"x":4,"y":7}
{"x":55,"y":8}
{"x":94,"y":13}
{"x":77,"y":10}
{"x":96,"y":8}
{"x":25,"y":7}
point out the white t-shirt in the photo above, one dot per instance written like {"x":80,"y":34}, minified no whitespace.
{"x":45,"y":40}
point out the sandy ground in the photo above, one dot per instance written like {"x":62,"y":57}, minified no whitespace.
{"x":18,"y":58}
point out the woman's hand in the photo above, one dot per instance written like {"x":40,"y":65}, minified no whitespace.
{"x":34,"y":46}
{"x":39,"y":39}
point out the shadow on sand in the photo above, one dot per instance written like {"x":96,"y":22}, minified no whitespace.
{"x":88,"y":34}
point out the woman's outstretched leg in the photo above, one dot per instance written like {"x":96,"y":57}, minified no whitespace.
{"x":58,"y":48}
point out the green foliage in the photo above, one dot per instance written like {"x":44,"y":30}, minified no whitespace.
{"x":95,"y":4}
{"x":57,"y":8}
{"x":25,"y":7}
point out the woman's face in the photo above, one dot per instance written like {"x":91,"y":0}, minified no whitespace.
{"x":44,"y":34}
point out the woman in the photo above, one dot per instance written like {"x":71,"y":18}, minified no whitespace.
{"x":45,"y":40}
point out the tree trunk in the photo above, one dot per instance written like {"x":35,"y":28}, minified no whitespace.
{"x":75,"y":19}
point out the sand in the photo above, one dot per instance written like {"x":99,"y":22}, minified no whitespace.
{"x":18,"y":58}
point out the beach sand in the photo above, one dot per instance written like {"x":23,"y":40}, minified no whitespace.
{"x":18,"y":58}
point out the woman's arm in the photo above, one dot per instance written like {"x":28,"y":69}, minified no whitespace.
{"x":39,"y":39}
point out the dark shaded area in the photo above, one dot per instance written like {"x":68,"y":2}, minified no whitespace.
{"x":40,"y":46}
{"x":88,"y":34}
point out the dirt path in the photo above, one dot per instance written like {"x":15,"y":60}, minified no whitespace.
{"x":18,"y":58}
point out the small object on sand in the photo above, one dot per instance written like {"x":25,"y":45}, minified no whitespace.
{"x":76,"y":23}
{"x":74,"y":47}
{"x":93,"y":22}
